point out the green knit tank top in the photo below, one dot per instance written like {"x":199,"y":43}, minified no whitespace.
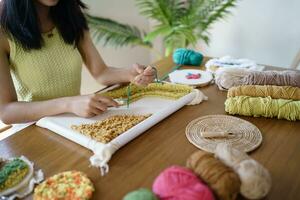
{"x":50,"y":72}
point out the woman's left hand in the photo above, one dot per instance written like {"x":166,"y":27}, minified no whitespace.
{"x":142,"y":75}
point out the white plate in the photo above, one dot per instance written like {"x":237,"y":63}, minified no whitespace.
{"x":179,"y":76}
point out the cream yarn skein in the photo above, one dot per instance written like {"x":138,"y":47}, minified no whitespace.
{"x":255,"y":179}
{"x":227,"y":78}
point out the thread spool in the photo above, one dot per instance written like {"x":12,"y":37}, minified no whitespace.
{"x":255,"y":179}
{"x":184,"y":56}
{"x":222,"y":179}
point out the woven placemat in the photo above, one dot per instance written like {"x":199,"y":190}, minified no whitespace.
{"x":246,"y":136}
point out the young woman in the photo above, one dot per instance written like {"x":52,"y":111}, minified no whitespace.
{"x":42,"y":46}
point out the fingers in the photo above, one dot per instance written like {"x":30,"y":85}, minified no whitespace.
{"x":106,"y":100}
{"x":99,"y":106}
{"x":96,"y":111}
{"x":139,"y":68}
{"x":149,"y":71}
{"x":143,"y":80}
{"x":96,"y":105}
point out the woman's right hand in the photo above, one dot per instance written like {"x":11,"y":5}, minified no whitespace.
{"x":90,"y":105}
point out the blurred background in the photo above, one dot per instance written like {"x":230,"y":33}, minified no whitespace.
{"x":267,"y":31}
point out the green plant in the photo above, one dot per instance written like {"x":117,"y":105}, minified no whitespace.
{"x":180,"y":23}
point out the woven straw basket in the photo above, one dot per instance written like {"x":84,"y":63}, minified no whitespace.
{"x":245,"y":136}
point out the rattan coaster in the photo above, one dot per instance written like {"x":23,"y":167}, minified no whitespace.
{"x":246,"y":136}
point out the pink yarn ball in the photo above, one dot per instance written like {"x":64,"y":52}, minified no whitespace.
{"x":179,"y":183}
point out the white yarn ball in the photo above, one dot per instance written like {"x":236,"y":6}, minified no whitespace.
{"x":255,"y":179}
{"x":230,"y":77}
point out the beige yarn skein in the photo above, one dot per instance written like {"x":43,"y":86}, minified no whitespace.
{"x":255,"y":179}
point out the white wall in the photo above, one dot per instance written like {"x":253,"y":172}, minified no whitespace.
{"x":124,"y":11}
{"x":267,"y":31}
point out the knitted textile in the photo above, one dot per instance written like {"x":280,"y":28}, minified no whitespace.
{"x":170,"y":91}
{"x":50,"y":72}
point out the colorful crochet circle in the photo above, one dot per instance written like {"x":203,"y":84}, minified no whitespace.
{"x":66,"y":185}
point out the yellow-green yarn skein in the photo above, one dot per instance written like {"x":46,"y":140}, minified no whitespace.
{"x":275,"y":92}
{"x":266,"y":107}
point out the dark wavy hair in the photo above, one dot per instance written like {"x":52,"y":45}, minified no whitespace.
{"x":19,"y":19}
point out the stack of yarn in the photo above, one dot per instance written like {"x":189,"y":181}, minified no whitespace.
{"x":227,"y":62}
{"x":267,"y":93}
{"x":207,"y":177}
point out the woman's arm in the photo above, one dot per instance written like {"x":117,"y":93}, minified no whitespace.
{"x":12,"y":111}
{"x":109,"y":75}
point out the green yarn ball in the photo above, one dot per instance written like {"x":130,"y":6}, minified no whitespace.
{"x":184,"y":56}
{"x":140,"y":194}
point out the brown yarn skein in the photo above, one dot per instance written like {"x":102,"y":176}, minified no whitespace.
{"x":222,"y":180}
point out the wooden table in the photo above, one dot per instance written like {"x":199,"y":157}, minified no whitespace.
{"x":139,"y":162}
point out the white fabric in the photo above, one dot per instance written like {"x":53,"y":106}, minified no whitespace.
{"x":179,"y":76}
{"x":199,"y":97}
{"x":158,"y":107}
{"x":2,"y":125}
{"x":229,"y":62}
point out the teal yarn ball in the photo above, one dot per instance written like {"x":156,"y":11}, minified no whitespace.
{"x":140,"y":194}
{"x":184,"y":56}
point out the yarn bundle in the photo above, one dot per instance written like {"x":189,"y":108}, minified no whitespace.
{"x":263,"y":107}
{"x":180,"y":183}
{"x":184,"y":56}
{"x":227,"y":78}
{"x":227,"y":62}
{"x":223,"y":175}
{"x":273,"y":94}
{"x":255,"y":179}
{"x":273,"y":91}
{"x":222,"y":179}
{"x":230,"y":172}
{"x":174,"y":183}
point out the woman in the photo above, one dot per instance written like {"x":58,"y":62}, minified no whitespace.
{"x":42,"y":46}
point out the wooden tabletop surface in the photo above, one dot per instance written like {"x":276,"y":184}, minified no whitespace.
{"x":140,"y":161}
